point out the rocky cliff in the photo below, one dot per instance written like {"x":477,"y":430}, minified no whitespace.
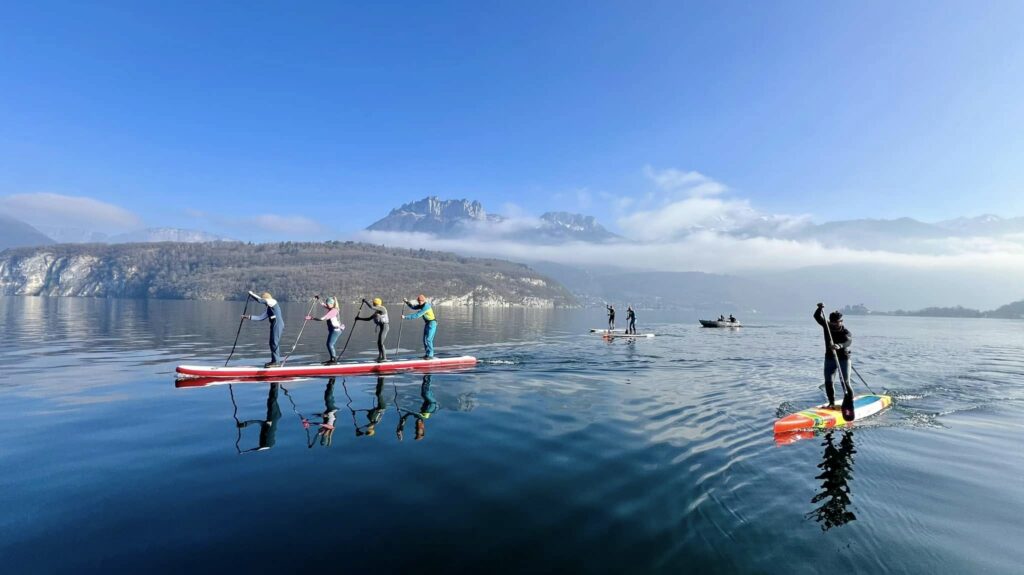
{"x":291,"y":271}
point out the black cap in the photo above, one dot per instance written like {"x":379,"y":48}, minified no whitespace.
{"x":835,"y":316}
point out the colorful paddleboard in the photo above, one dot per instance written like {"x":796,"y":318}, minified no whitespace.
{"x":347,"y":368}
{"x":821,"y":418}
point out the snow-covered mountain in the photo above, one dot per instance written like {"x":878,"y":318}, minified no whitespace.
{"x":165,"y":235}
{"x":460,"y":218}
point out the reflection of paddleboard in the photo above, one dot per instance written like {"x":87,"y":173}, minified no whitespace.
{"x":596,"y":330}
{"x":345,"y":368}
{"x":614,"y":335}
{"x":821,"y":418}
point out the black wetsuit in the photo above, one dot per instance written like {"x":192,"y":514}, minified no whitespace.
{"x":630,"y":320}
{"x":379,"y":316}
{"x":841,"y":337}
{"x":611,"y":317}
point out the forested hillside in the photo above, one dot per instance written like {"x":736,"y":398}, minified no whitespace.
{"x":291,"y":271}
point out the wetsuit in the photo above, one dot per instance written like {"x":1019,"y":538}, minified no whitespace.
{"x":273,"y":314}
{"x":611,"y":317}
{"x":630,"y":320}
{"x":842,"y":338}
{"x":379,"y":315}
{"x":426,"y":311}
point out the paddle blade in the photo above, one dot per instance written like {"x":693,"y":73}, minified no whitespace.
{"x":847,"y":407}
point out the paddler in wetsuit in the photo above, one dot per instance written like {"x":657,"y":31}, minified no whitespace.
{"x":379,"y":315}
{"x":334,"y":326}
{"x":630,"y":320}
{"x":273,"y":313}
{"x":428,"y":408}
{"x":840,"y":343}
{"x":611,"y":317}
{"x":268,"y":426}
{"x":423,"y":309}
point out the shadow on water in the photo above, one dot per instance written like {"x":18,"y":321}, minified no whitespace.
{"x":836,"y":473}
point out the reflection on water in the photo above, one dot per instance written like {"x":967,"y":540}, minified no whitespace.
{"x":625,"y":456}
{"x":836,"y":473}
{"x":427,"y":408}
{"x":268,"y":426}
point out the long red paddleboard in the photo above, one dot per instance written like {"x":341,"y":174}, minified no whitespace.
{"x":347,"y":368}
{"x":821,"y":418}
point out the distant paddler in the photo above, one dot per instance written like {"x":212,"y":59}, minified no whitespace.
{"x":334,"y":326}
{"x":272,"y":313}
{"x":611,"y":317}
{"x":379,"y":316}
{"x":630,"y":320}
{"x":423,"y":309}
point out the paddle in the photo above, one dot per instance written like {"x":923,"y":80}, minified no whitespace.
{"x":248,"y":298}
{"x":401,"y":324}
{"x":304,"y":322}
{"x":847,"y":407}
{"x":862,"y":380}
{"x":349,"y":338}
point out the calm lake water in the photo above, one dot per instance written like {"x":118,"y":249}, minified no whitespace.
{"x":560,"y":453}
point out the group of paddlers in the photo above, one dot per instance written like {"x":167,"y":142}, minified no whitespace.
{"x":378,"y":314}
{"x":630,"y":318}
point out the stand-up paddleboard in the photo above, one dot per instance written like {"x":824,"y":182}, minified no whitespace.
{"x":346,"y":368}
{"x":626,"y":335}
{"x":599,"y":330}
{"x":208,"y":381}
{"x":821,"y":418}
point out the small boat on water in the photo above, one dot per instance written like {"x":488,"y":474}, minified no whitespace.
{"x":719,"y":323}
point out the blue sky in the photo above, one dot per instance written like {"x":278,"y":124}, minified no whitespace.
{"x":206,"y":114}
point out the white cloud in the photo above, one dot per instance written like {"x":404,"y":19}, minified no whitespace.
{"x":711,"y":252}
{"x":59,"y":211}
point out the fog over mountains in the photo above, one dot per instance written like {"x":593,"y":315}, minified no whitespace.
{"x":692,"y":247}
{"x":708,"y":253}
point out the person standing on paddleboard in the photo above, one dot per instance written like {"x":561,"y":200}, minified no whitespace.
{"x":630,"y":320}
{"x":611,"y":317}
{"x":273,"y":313}
{"x":840,"y":342}
{"x":423,"y":309}
{"x":379,"y":315}
{"x":334,"y":326}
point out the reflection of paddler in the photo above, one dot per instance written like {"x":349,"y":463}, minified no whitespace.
{"x":836,"y":472}
{"x":326,"y":431}
{"x":268,"y":426}
{"x":373,"y":415}
{"x":427,"y":408}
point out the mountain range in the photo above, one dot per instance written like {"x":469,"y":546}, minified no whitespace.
{"x":463,"y":218}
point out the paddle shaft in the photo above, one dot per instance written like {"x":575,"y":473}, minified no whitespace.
{"x":859,"y":376}
{"x":301,"y":329}
{"x":401,"y":324}
{"x":354,"y":323}
{"x":248,"y":299}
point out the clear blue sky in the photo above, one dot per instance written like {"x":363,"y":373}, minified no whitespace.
{"x":341,"y":112}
